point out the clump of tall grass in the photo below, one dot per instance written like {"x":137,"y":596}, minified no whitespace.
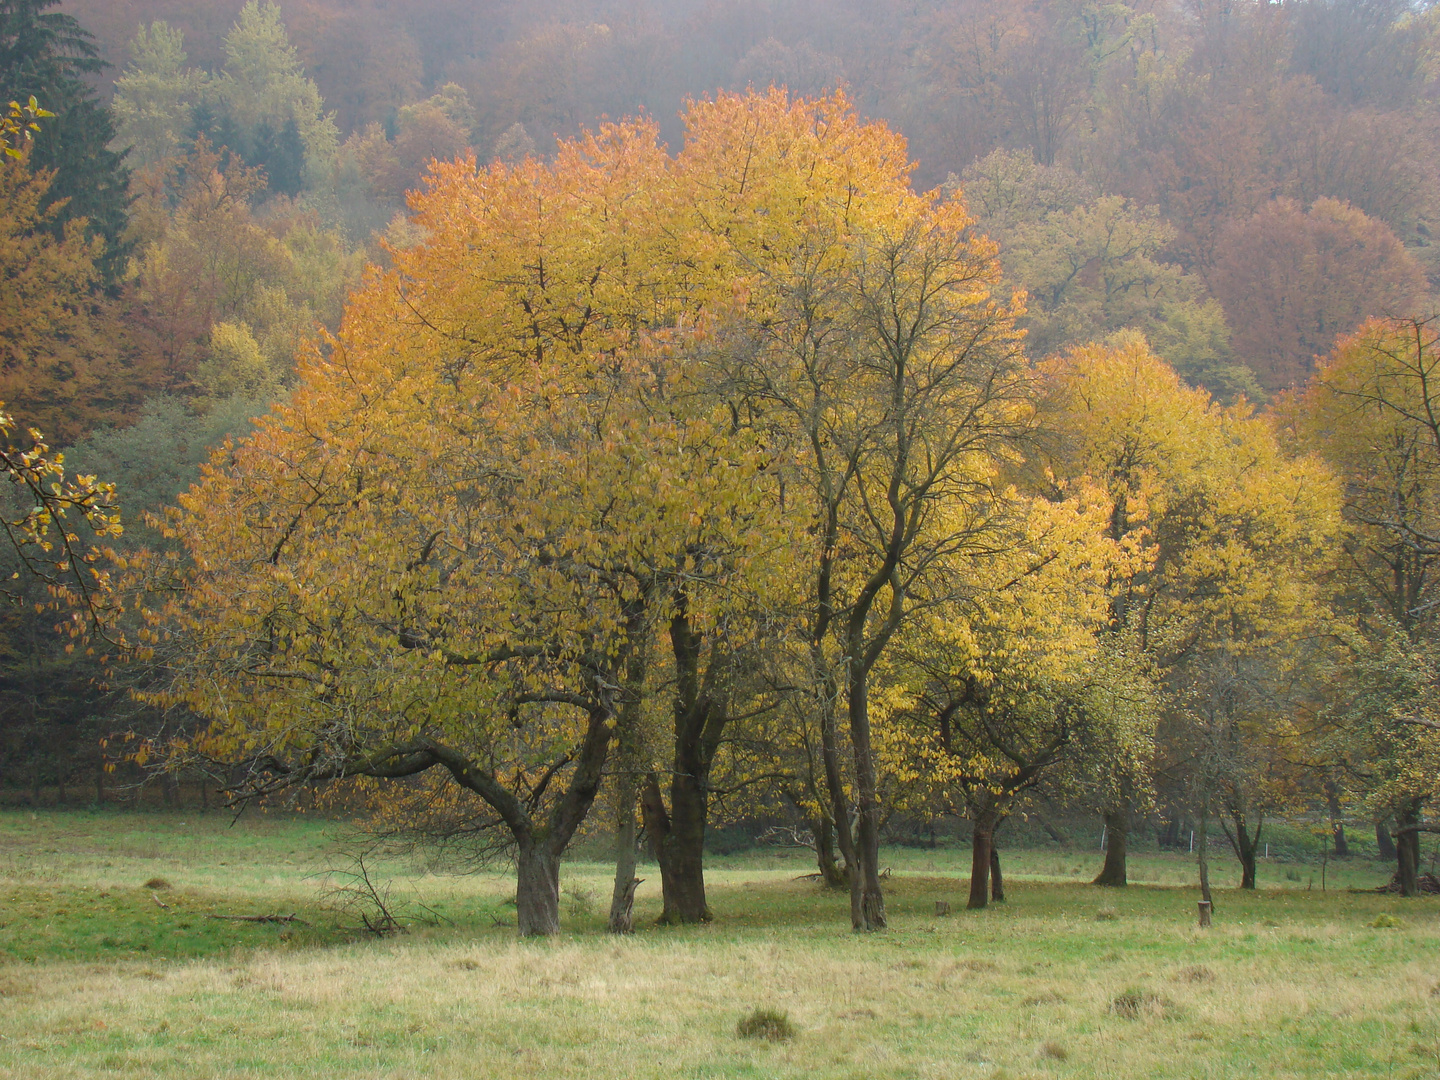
{"x":772,"y":1025}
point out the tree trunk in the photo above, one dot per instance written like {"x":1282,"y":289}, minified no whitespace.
{"x":1203,"y":853}
{"x":835,"y":784}
{"x":981,"y":845}
{"x":1246,"y":850}
{"x":1117,"y":833}
{"x":865,"y":892}
{"x":622,"y":898}
{"x":1051,"y":831}
{"x":630,"y":742}
{"x":1337,"y":827}
{"x":997,"y":883}
{"x":537,"y":889}
{"x":1384,"y":842}
{"x":1407,"y":851}
{"x":830,"y":872}
{"x":679,"y":844}
{"x":1171,"y":836}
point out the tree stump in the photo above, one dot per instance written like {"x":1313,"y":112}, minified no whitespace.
{"x":942,"y":907}
{"x":1204,"y":913}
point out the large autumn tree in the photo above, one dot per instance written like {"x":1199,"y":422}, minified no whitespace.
{"x":462,"y":574}
{"x":580,"y":392}
{"x":884,"y":369}
{"x":1228,"y":538}
{"x":1372,"y":412}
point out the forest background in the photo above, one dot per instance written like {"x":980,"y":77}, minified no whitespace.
{"x":1245,"y":184}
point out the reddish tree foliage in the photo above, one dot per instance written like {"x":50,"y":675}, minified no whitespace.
{"x":1292,"y":281}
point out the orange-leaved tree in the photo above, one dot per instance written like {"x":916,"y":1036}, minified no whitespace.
{"x":447,"y":552}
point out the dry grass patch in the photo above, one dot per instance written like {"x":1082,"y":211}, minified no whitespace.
{"x":1195,"y":973}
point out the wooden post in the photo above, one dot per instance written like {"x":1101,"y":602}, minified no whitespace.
{"x":1204,"y":913}
{"x":942,"y":907}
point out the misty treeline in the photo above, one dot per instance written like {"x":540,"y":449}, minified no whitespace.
{"x":1201,"y":203}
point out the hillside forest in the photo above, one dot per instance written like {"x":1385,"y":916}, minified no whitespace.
{"x":505,"y":423}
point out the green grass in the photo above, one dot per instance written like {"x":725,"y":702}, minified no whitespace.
{"x":1063,"y":980}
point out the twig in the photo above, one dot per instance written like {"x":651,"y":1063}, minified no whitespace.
{"x":162,"y":903}
{"x":291,"y":918}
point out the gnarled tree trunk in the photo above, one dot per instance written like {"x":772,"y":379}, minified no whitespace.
{"x":537,"y":887}
{"x":1117,"y":835}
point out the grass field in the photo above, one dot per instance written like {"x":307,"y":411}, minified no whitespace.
{"x":1063,"y":980}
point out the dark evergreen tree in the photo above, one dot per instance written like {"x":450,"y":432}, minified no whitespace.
{"x":281,"y":153}
{"x":47,"y":54}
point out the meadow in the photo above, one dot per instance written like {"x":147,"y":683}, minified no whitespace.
{"x":104,"y":975}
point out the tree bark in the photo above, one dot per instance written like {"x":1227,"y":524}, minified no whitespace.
{"x":1384,"y":842}
{"x":1117,"y":834}
{"x":622,"y":897}
{"x":824,"y":829}
{"x":981,"y":845}
{"x":1203,"y":853}
{"x":997,"y":882}
{"x":1337,"y":827}
{"x":835,"y":785}
{"x":678,"y":842}
{"x":629,"y":738}
{"x":865,"y":892}
{"x":678,"y":835}
{"x":537,"y":888}
{"x":1170,"y":837}
{"x":1246,"y":849}
{"x":1407,"y":851}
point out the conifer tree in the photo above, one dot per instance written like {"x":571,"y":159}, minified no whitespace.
{"x":46,"y":54}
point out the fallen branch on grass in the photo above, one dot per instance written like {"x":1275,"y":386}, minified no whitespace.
{"x":157,"y":900}
{"x":291,"y":918}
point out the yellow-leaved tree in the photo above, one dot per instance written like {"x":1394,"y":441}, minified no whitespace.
{"x":758,"y":389}
{"x":1373,"y":412}
{"x":886,"y":377}
{"x":1226,"y":541}
{"x":1011,"y":677}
